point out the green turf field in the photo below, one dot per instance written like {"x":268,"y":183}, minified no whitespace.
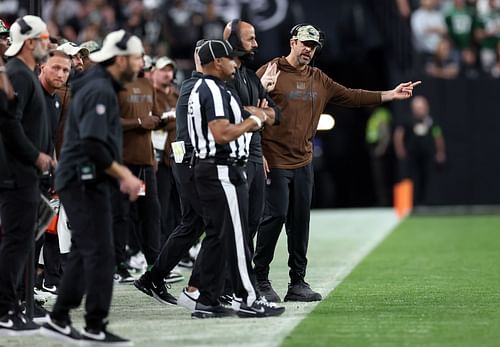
{"x":435,"y":281}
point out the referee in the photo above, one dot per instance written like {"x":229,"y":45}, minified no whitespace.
{"x":221,"y":138}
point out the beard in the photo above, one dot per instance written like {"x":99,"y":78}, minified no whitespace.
{"x":40,"y":54}
{"x":248,"y":57}
{"x":129,"y":74}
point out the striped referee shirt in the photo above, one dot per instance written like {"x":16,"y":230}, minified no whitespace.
{"x":210,"y":100}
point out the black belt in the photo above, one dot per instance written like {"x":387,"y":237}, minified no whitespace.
{"x":229,"y":161}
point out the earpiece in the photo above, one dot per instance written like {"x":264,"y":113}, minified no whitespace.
{"x":234,"y":37}
{"x":122,"y":44}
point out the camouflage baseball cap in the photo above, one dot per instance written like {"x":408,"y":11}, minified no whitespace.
{"x":91,"y":46}
{"x":3,"y":28}
{"x":308,"y":33}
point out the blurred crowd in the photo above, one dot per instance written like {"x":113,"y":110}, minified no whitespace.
{"x":457,"y":38}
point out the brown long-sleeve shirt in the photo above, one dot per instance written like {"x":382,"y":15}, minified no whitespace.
{"x":138,"y":100}
{"x":302,"y":96}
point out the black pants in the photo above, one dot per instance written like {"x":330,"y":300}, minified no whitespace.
{"x":52,"y":260}
{"x":141,"y":217}
{"x":18,"y":212}
{"x":169,"y":201}
{"x":91,"y":262}
{"x":256,"y":189}
{"x":288,"y":201}
{"x":223,"y":193}
{"x":190,"y":228}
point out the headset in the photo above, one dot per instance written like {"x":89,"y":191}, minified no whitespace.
{"x":234,"y":36}
{"x":25,"y":27}
{"x":122,"y":44}
{"x":294,"y":31}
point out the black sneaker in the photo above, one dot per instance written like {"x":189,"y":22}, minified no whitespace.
{"x":158,"y":291}
{"x":17,"y":324}
{"x":40,"y":313}
{"x":226,"y":299}
{"x":260,"y":308}
{"x":123,"y":276}
{"x":91,"y":337}
{"x":60,"y":330}
{"x":204,"y":311}
{"x":301,"y":291}
{"x":265,"y":289}
{"x":52,"y":289}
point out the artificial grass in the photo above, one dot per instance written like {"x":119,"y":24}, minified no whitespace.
{"x":435,"y":281}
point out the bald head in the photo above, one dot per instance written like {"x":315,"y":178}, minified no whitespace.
{"x":242,"y":39}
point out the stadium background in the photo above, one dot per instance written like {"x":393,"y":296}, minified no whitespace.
{"x":368,"y":46}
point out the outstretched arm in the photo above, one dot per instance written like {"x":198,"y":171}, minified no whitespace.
{"x":401,"y":92}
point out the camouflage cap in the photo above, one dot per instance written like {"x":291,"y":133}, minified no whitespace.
{"x":3,"y":28}
{"x":308,"y":33}
{"x":91,"y":46}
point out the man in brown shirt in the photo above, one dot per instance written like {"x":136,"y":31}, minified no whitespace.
{"x":163,"y":80}
{"x":302,"y":92}
{"x":139,"y":116}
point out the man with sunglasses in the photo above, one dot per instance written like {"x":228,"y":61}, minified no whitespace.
{"x":24,"y":136}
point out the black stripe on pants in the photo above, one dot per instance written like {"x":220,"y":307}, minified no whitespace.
{"x":91,"y":261}
{"x":288,"y":201}
{"x":223,"y":195}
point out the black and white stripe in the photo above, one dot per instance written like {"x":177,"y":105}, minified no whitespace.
{"x":211,"y":100}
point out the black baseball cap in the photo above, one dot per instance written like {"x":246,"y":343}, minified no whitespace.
{"x":212,"y":49}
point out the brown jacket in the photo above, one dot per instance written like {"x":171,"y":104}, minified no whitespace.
{"x":138,"y":100}
{"x":302,"y":97}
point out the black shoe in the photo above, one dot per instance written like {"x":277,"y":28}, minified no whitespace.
{"x":204,"y":311}
{"x":158,"y":291}
{"x":122,"y":275}
{"x":265,"y":289}
{"x":300,"y":291}
{"x":92,"y":337}
{"x":40,"y":314}
{"x":226,"y":300}
{"x":260,"y":308}
{"x":60,"y":330}
{"x":17,"y":324}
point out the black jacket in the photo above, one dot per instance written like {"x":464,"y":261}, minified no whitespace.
{"x":23,"y":128}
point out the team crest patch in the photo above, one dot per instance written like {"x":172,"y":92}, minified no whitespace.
{"x":100,"y":109}
{"x":301,"y":85}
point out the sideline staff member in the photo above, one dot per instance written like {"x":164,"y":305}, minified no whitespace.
{"x":88,"y":169}
{"x":302,"y":93}
{"x":24,"y":134}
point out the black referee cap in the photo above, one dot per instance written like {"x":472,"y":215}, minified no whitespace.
{"x":212,"y":49}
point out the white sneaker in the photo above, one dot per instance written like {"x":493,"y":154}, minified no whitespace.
{"x":138,"y":262}
{"x":188,"y":299}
